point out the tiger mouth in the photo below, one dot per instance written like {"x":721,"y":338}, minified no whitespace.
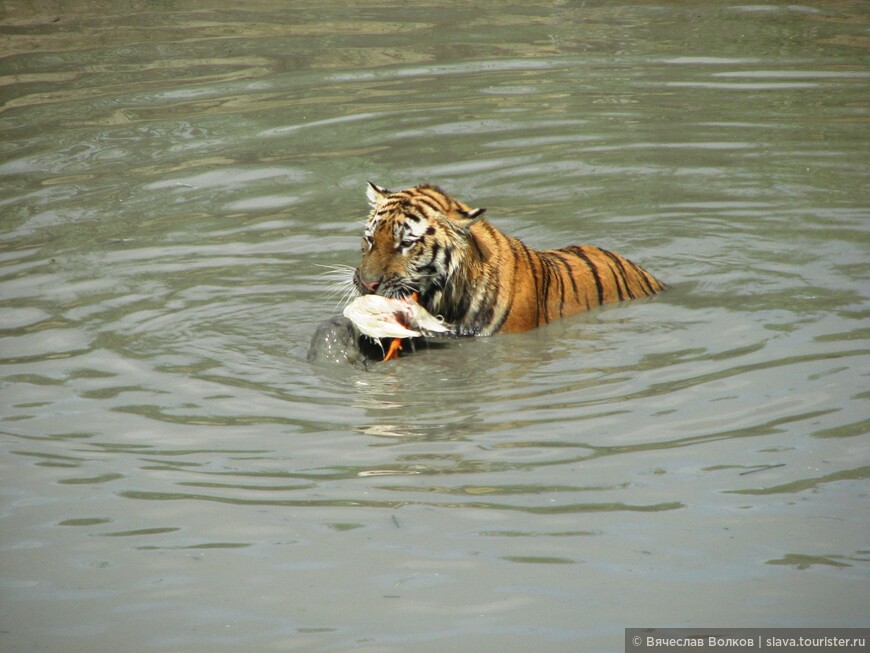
{"x":392,"y":288}
{"x":398,"y":293}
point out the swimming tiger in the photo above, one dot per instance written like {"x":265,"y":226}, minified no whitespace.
{"x":422,"y":240}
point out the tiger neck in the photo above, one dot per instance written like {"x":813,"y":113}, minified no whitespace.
{"x":464,"y":283}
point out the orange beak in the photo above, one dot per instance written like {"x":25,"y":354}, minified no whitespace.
{"x":393,"y":350}
{"x":396,"y":343}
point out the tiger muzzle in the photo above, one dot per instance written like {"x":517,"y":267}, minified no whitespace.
{"x":367,"y":285}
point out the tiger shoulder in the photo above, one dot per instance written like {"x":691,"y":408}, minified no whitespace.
{"x":423,"y":241}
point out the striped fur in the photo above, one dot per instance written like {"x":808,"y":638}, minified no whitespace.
{"x":480,"y":280}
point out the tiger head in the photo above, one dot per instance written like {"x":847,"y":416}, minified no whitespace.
{"x":416,"y":240}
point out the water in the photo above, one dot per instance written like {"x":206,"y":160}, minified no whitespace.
{"x":177,"y":477}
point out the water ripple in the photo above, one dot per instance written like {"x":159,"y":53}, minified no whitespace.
{"x":174,"y":182}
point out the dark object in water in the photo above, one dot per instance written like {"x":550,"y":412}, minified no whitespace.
{"x":337,"y":340}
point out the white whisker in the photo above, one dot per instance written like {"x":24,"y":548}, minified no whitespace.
{"x":340,"y":287}
{"x":336,"y":271}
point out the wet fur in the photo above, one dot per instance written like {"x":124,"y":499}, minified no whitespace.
{"x":477,"y":278}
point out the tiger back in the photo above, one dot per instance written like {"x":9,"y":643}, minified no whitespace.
{"x":422,"y":240}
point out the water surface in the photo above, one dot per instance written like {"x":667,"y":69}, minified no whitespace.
{"x":177,"y":477}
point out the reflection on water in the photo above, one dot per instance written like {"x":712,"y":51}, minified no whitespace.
{"x":174,"y":181}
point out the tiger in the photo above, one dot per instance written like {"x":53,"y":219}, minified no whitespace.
{"x":422,"y":242}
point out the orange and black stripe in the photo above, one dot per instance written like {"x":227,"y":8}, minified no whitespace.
{"x":479,"y":279}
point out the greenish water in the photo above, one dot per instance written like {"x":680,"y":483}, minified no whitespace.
{"x":177,"y":477}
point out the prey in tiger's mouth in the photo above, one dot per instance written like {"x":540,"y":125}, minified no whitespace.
{"x":395,"y":319}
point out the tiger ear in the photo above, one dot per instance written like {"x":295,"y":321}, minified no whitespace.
{"x":376,"y":194}
{"x":470,"y":217}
